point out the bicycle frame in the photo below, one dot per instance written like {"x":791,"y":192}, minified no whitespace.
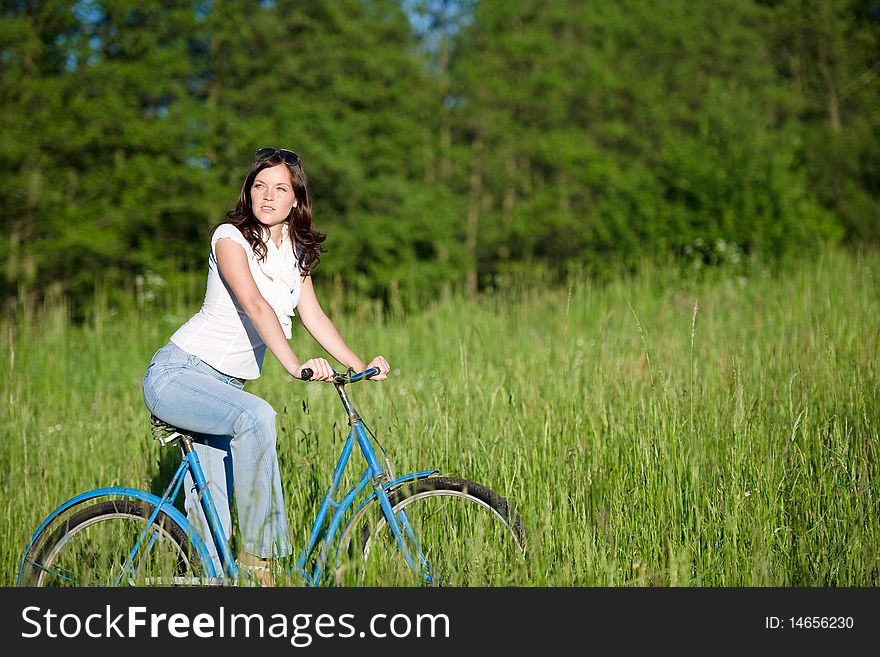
{"x":382,"y":483}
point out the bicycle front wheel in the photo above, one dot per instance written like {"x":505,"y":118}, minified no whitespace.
{"x":467,"y":534}
{"x":93,"y":547}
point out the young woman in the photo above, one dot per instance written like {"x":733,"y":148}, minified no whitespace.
{"x":259,"y":271}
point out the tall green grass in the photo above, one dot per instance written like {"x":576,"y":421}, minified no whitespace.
{"x":655,"y":429}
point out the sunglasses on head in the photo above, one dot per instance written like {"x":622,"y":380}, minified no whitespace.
{"x":288,"y":157}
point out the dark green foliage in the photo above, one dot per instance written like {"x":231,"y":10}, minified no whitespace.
{"x":446,"y":141}
{"x":611,"y":129}
{"x":829,"y":52}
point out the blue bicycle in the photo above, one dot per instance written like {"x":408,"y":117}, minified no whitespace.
{"x":387,"y":529}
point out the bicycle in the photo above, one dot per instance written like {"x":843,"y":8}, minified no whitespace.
{"x":124,"y":536}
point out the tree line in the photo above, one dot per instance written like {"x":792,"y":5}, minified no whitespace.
{"x":447,"y":142}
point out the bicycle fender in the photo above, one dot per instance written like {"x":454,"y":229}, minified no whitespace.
{"x":409,"y":477}
{"x":132,"y":493}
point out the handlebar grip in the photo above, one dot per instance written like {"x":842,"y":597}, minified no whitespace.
{"x":306,"y":373}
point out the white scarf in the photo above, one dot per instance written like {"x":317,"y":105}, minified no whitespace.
{"x":280,"y":268}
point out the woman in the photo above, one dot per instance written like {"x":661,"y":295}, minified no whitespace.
{"x":259,"y":270}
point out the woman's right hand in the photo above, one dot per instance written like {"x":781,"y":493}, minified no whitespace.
{"x":321,"y":370}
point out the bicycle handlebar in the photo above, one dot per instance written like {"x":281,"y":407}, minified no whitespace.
{"x":307,"y":374}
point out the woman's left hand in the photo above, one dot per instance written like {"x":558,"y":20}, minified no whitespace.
{"x":383,"y":367}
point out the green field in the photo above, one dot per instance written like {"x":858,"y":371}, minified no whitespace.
{"x":711,"y":429}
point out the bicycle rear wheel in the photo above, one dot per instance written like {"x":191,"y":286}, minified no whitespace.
{"x":468,"y":535}
{"x":92,"y":545}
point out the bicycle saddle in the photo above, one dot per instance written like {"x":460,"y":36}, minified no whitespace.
{"x":165,"y":433}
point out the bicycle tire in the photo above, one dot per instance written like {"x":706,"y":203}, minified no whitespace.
{"x":89,"y":547}
{"x":487,"y":537}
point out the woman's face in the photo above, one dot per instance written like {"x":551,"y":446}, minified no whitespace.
{"x":272,"y":195}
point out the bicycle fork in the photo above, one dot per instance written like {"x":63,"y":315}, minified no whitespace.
{"x":399,"y":524}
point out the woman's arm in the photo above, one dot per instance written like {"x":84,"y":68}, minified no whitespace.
{"x":233,"y":264}
{"x":324,"y":331}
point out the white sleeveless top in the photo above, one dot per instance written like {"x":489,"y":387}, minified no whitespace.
{"x":220,"y":333}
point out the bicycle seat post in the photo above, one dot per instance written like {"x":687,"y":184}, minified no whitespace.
{"x":186,"y":445}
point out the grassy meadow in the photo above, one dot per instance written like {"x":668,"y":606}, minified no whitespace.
{"x":718,"y":428}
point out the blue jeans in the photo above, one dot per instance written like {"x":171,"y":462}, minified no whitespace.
{"x":235,"y":441}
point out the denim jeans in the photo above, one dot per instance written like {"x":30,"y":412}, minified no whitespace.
{"x":235,"y":442}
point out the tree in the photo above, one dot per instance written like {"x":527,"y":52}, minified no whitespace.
{"x":95,"y":170}
{"x":828,"y":52}
{"x":606,"y":129}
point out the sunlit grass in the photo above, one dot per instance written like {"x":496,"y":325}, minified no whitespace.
{"x":656,"y":429}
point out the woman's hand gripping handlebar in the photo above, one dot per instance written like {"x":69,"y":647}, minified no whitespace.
{"x":306,"y":374}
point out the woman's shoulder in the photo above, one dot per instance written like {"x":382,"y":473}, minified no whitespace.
{"x":227,"y":230}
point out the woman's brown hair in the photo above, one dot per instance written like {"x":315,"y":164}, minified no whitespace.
{"x":307,"y":242}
